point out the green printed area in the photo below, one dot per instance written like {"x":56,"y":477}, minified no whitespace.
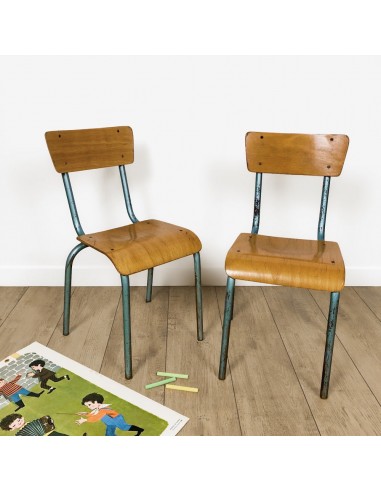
{"x":63,"y":404}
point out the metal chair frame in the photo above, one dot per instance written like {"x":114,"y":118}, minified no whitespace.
{"x":124,"y":278}
{"x":334,"y":296}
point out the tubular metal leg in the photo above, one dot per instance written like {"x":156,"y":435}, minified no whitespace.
{"x":149,"y":285}
{"x":331,"y":329}
{"x":197,"y":272}
{"x":233,"y":297}
{"x":67,"y":293}
{"x":126,"y":325}
{"x":230,"y":284}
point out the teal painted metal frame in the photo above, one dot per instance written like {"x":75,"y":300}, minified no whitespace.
{"x":334,"y":296}
{"x":197,"y":273}
{"x":124,"y":278}
{"x":330,"y":339}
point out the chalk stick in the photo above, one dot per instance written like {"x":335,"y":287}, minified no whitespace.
{"x":171,"y":375}
{"x":159,"y":383}
{"x":182,"y":388}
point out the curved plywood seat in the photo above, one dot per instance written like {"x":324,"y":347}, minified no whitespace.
{"x":143,"y":245}
{"x":303,"y":263}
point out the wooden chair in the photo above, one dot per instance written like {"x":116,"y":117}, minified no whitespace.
{"x":310,"y":264}
{"x":131,"y":248}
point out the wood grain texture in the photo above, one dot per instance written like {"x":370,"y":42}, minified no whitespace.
{"x":79,"y":150}
{"x":143,"y":245}
{"x":289,"y":262}
{"x":351,"y":408}
{"x":251,"y":400}
{"x":360,"y":332}
{"x":293,"y":153}
{"x":34,"y":319}
{"x":9,"y":297}
{"x":269,"y":397}
{"x":92,"y":316}
{"x":212,"y":411}
{"x":148,"y":341}
{"x":372,"y":298}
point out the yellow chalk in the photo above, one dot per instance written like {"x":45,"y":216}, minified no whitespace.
{"x":182,"y":388}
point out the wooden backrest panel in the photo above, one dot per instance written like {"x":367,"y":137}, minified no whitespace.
{"x":295,"y":153}
{"x":79,"y":150}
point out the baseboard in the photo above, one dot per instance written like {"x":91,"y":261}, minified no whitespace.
{"x":165,"y":275}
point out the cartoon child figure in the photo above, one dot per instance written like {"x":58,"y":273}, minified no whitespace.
{"x":43,"y":374}
{"x":12,"y":391}
{"x":102,"y":411}
{"x":39,"y":427}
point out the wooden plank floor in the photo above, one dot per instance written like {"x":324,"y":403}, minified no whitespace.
{"x":275,"y":353}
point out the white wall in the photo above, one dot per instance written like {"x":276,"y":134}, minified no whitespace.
{"x":189,"y":116}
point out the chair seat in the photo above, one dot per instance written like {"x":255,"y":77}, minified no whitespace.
{"x":143,"y":245}
{"x":303,"y":263}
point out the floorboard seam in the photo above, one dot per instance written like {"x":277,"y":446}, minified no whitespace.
{"x":292,"y":365}
{"x":228,"y":363}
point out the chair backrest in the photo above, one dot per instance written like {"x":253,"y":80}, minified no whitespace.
{"x":80,"y":150}
{"x":295,"y":153}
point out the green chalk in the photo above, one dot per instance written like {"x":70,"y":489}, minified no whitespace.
{"x":159,"y":383}
{"x":181,"y":376}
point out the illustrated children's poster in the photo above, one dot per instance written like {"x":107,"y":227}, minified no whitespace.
{"x":43,"y":393}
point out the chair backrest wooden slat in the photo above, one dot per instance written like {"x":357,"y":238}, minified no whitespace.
{"x":295,"y":153}
{"x":80,"y":150}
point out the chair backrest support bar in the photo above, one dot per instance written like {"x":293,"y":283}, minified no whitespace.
{"x":126,"y":193}
{"x":72,"y":205}
{"x":257,"y":203}
{"x":323,"y":208}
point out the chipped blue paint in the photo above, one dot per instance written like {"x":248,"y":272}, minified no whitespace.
{"x":330,"y":339}
{"x":257,"y":203}
{"x":323,"y":208}
{"x":230,"y":284}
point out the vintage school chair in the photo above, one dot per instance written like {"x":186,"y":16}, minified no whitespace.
{"x":310,"y":264}
{"x":131,"y":248}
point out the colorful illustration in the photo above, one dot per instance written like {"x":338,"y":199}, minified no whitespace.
{"x":112,"y":408}
{"x":12,"y":391}
{"x":39,"y":427}
{"x":43,"y":374}
{"x":102,"y":411}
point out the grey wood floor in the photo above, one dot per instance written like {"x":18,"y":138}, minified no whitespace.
{"x":275,"y":355}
